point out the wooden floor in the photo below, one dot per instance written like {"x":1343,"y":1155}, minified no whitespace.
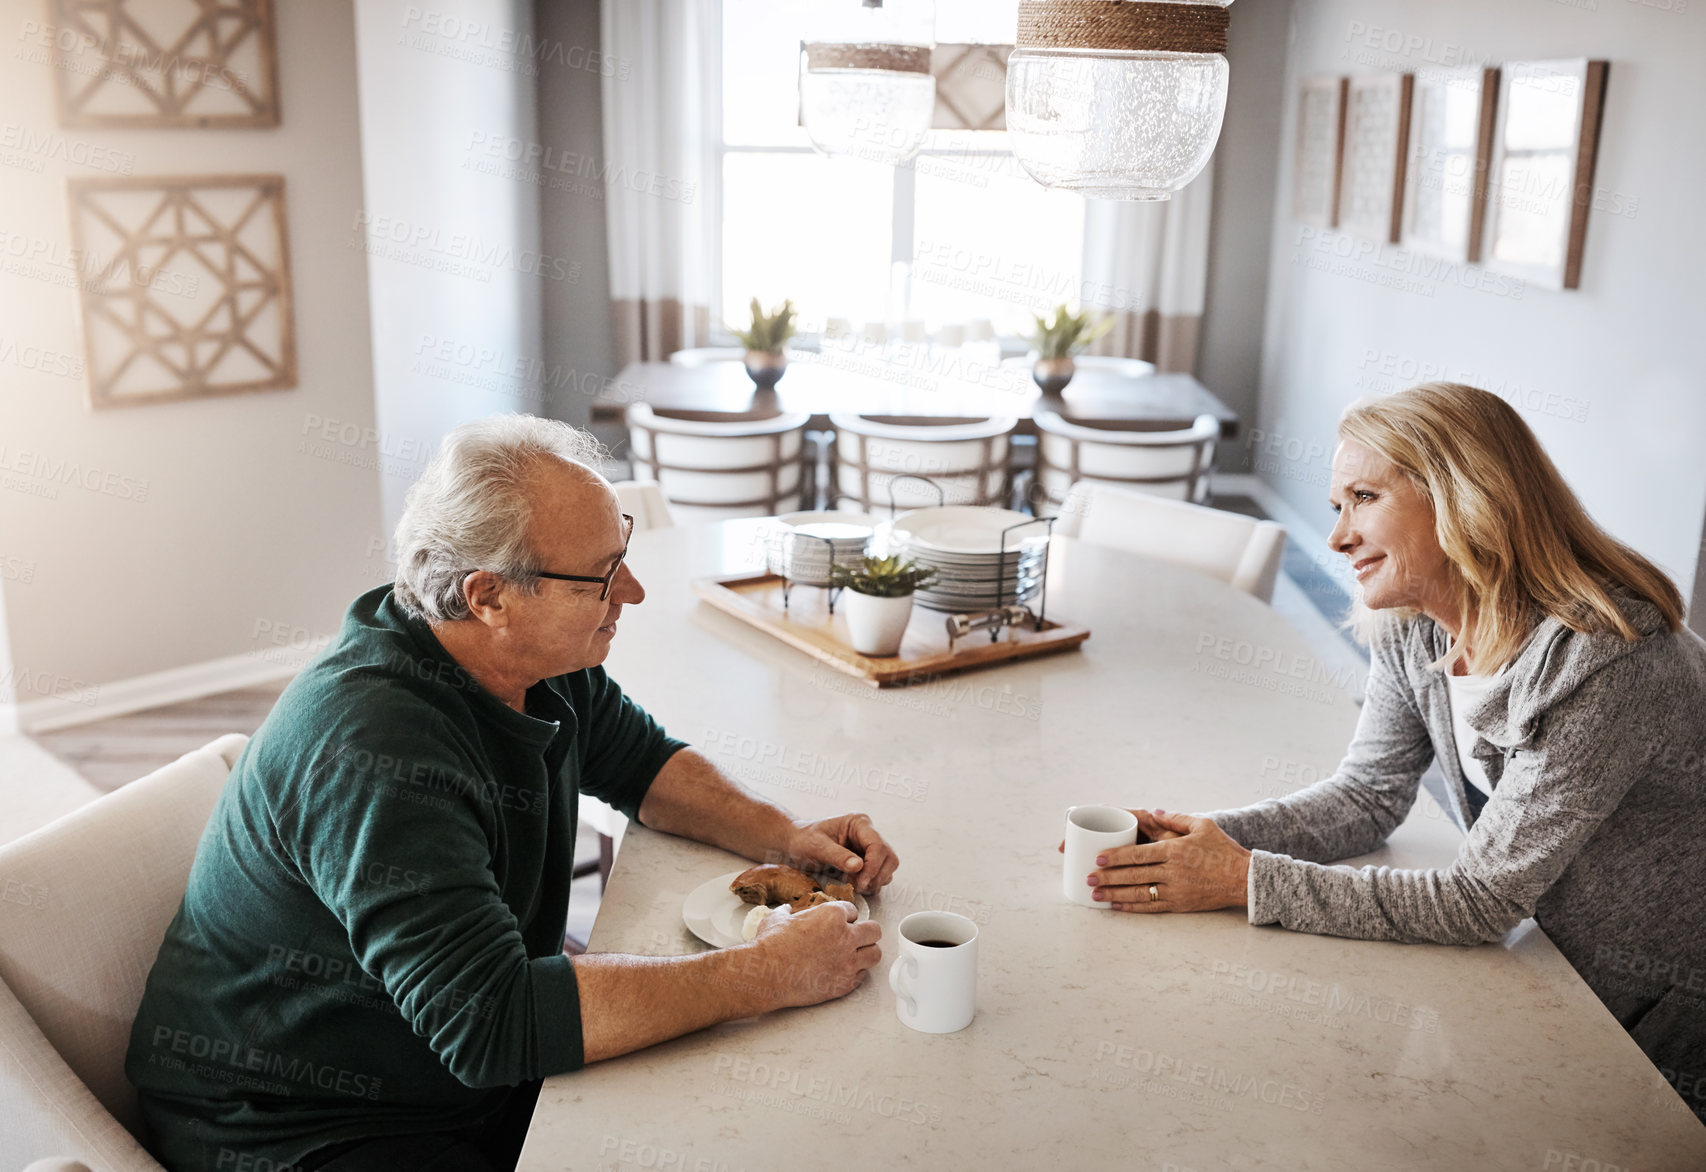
{"x":120,"y":749}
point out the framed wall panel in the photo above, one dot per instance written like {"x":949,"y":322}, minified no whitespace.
{"x":1319,"y":151}
{"x":184,"y":286}
{"x":1451,"y":144}
{"x":165,"y":63}
{"x":1540,"y":184}
{"x":1371,"y":181}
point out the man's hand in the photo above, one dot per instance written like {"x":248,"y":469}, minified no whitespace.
{"x":848,"y":843}
{"x":1198,"y":868}
{"x":817,"y":954}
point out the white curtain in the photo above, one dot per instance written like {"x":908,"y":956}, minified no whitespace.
{"x":1147,"y":263}
{"x":660,"y":89}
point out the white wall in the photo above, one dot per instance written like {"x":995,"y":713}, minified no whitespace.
{"x":210,"y":528}
{"x":455,"y":264}
{"x":579,"y":340}
{"x":1621,"y":351}
{"x":1229,"y":357}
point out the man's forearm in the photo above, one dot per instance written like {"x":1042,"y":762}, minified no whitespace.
{"x":693,"y":798}
{"x":631,"y":1002}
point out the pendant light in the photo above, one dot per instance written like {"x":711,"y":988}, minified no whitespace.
{"x":1117,"y":99}
{"x":866,"y":90}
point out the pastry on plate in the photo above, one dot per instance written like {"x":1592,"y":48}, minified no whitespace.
{"x":772,"y":885}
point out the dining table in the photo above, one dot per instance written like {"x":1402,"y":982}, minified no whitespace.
{"x":1101,"y":1039}
{"x":914,"y":384}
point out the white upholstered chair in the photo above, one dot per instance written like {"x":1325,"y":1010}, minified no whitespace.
{"x":643,"y":500}
{"x":716,"y":466}
{"x":1173,"y":463}
{"x":86,"y":903}
{"x":699,"y":356}
{"x":1113,"y":364}
{"x":968,"y":458}
{"x":1236,"y":549}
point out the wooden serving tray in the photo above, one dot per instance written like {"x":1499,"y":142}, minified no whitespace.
{"x":756,"y":598}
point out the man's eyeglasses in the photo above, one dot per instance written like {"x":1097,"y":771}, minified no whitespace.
{"x":604,"y":582}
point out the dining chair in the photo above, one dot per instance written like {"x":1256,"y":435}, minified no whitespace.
{"x":1112,"y":364}
{"x":1101,"y":363}
{"x":87,"y":902}
{"x":968,"y":458}
{"x":1241,"y":551}
{"x":1173,"y":463}
{"x":644,"y":501}
{"x":701,"y":355}
{"x":717,"y":466}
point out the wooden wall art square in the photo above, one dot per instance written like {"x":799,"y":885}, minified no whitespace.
{"x":183,"y":286}
{"x":1541,"y":182}
{"x":1319,"y":151}
{"x":1377,"y":133}
{"x":1451,"y":145}
{"x":165,"y":63}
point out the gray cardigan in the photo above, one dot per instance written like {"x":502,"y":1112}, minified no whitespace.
{"x":1596,"y":749}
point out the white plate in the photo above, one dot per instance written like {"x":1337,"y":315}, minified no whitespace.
{"x":966,"y":529}
{"x":715,"y":914}
{"x":831,"y":516}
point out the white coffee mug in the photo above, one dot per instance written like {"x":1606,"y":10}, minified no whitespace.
{"x":1090,"y":830}
{"x":935,"y":976}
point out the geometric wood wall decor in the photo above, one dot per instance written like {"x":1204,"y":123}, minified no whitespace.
{"x":1451,"y":144}
{"x":1371,"y":187}
{"x":971,"y":86}
{"x":185,"y":286}
{"x":165,"y":63}
{"x":1542,"y":169}
{"x":1320,"y":151}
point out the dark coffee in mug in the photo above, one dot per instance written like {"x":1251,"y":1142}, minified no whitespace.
{"x":937,"y":943}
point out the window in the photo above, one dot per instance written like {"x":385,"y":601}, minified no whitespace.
{"x":959,"y":234}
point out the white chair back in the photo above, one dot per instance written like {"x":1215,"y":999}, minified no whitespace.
{"x":1112,"y":364}
{"x":88,"y":899}
{"x":714,"y":466}
{"x":1236,"y":549}
{"x":643,"y":500}
{"x":1173,"y":464}
{"x":967,"y":458}
{"x":703,"y":354}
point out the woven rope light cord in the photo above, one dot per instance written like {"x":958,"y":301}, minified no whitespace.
{"x":1122,"y":24}
{"x":894,"y":58}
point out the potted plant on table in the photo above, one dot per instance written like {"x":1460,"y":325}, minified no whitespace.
{"x":764,"y":339}
{"x":878,"y":600}
{"x":1056,"y":340}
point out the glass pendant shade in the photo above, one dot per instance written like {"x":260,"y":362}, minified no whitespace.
{"x":866,"y":90}
{"x":1117,"y":99}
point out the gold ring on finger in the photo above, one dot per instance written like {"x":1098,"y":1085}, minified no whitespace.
{"x":1153,"y":894}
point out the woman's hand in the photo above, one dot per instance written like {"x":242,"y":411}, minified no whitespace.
{"x":1148,"y":829}
{"x":1193,"y":865}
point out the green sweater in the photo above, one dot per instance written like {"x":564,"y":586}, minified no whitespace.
{"x":371,"y":942}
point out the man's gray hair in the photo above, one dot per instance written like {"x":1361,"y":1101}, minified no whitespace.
{"x":469,"y":510}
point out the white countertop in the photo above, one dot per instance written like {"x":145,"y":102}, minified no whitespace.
{"x":1189,"y":1042}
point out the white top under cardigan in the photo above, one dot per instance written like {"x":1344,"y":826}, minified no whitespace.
{"x":1466,"y":692}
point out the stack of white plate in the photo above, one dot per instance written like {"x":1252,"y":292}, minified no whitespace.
{"x":963,"y":544}
{"x":800,"y":545}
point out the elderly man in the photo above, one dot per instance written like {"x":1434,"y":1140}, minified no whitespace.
{"x":367,"y":971}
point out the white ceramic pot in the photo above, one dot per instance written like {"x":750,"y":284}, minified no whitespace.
{"x":875,"y":625}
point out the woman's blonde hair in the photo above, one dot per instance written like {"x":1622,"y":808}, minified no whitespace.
{"x":1517,"y":538}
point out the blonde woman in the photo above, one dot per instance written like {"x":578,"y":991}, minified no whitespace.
{"x":1545,"y":665}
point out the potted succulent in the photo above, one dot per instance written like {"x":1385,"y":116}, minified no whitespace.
{"x":764,"y":340}
{"x":1056,"y":340}
{"x":878,"y":600}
